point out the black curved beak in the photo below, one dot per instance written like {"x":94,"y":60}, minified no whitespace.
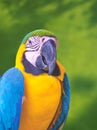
{"x":47,"y":60}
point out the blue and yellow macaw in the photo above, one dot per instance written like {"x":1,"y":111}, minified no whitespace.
{"x":46,"y":86}
{"x":11,"y":98}
{"x":47,"y":90}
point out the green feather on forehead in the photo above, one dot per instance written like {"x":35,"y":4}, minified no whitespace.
{"x":39,"y":32}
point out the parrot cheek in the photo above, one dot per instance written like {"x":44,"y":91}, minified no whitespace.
{"x":31,"y":57}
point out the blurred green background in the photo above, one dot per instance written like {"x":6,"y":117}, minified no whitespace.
{"x":75,"y":24}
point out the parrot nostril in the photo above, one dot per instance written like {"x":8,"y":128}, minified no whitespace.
{"x":43,"y":39}
{"x":44,"y":60}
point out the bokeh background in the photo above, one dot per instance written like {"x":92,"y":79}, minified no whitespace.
{"x":75,"y":24}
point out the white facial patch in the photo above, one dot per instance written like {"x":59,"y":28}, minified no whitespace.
{"x":32,"y":56}
{"x":33,"y":47}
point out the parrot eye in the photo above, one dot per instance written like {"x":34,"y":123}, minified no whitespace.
{"x":29,"y":41}
{"x":33,"y":43}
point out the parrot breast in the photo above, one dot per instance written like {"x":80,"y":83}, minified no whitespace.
{"x":43,"y":95}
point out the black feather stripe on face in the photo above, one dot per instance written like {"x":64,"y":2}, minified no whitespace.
{"x":29,"y":68}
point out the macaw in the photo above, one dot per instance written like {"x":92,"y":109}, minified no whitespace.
{"x":46,"y":84}
{"x":11,"y":98}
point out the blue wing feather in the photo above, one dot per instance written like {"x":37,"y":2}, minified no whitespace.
{"x":65,"y":104}
{"x":11,"y":93}
{"x":17,"y":116}
{"x":1,"y":122}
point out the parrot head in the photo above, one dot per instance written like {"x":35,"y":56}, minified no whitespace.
{"x":39,"y":54}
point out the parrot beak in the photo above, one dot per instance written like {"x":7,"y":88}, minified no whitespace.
{"x":47,"y":60}
{"x":48,"y":52}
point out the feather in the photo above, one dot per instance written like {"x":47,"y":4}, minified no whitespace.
{"x":65,"y":104}
{"x":11,"y":93}
{"x":39,"y":32}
